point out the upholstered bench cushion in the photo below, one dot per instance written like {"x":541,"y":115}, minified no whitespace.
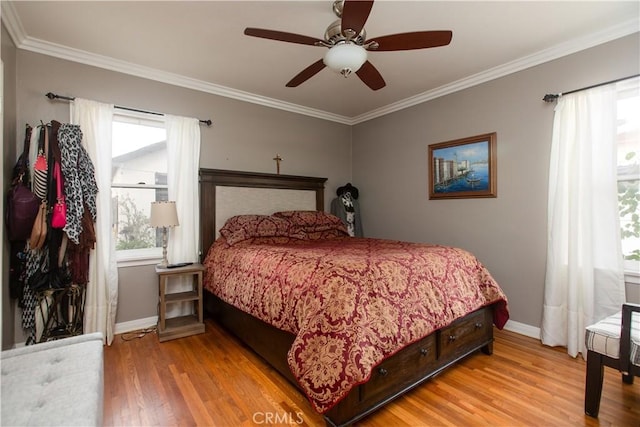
{"x":604,"y":337}
{"x":56,"y":383}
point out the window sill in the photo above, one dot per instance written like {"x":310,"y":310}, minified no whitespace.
{"x":138,"y":262}
{"x":632,"y":277}
{"x":138,"y":257}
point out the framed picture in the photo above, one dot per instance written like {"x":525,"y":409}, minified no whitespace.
{"x":464,"y":168}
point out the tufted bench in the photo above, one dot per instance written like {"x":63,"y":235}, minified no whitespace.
{"x":54,"y":383}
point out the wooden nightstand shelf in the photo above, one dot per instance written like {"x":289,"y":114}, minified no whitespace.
{"x":182,"y":326}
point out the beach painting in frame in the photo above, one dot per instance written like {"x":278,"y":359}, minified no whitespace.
{"x":463,"y":168}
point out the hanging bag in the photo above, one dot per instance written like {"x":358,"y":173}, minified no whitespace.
{"x":39,"y":231}
{"x":40,"y":167}
{"x":40,"y":172}
{"x":21,"y":211}
{"x":22,"y":204}
{"x":59,"y":214}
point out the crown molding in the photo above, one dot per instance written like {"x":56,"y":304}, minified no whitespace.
{"x":11,"y":22}
{"x":109,"y":63}
{"x":22,"y":41}
{"x":624,"y":29}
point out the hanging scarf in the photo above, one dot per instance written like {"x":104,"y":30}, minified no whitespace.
{"x":79,"y":179}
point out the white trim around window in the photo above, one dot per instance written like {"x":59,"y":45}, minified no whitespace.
{"x":138,"y":257}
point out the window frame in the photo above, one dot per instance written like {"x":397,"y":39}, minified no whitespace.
{"x":631,"y":267}
{"x":146,"y":256}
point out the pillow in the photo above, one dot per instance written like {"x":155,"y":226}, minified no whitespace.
{"x":243,"y":227}
{"x":313,"y":221}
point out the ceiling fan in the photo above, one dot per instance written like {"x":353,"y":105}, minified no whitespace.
{"x":348,"y":44}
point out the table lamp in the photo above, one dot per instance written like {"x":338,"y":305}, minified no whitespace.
{"x":164,"y":214}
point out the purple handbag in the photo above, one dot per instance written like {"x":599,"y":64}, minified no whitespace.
{"x":22,"y":208}
{"x":22,"y":203}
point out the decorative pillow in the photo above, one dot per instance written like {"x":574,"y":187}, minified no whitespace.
{"x":313,"y":221}
{"x":243,"y":227}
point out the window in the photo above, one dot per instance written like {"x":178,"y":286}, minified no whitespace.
{"x":139,"y":177}
{"x":629,"y":170}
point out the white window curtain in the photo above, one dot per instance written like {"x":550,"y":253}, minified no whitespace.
{"x":183,"y":160}
{"x":585,"y":277}
{"x":101,"y":299}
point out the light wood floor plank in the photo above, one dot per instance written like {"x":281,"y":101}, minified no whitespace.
{"x":212,"y":379}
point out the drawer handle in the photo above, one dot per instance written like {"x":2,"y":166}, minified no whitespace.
{"x":383,"y":372}
{"x":479,"y":325}
{"x":424,"y":351}
{"x":452,"y":338}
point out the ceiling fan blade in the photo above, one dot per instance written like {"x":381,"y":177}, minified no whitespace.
{"x":307,"y":73}
{"x":281,"y":36}
{"x":371,"y":76}
{"x":355,"y":14}
{"x":410,"y":41}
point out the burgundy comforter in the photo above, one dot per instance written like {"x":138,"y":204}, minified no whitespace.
{"x":351,"y":302}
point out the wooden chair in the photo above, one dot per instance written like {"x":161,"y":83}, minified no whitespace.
{"x":613,"y":342}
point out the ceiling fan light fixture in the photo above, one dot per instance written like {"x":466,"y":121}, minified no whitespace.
{"x":345,"y":58}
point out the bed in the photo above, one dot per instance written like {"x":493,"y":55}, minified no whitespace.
{"x":349,"y":321}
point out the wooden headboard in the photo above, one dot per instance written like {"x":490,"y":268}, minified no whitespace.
{"x":217,"y":185}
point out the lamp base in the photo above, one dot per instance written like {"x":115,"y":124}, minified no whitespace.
{"x":165,"y":261}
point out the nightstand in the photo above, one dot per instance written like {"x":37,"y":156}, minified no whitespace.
{"x":182,"y":326}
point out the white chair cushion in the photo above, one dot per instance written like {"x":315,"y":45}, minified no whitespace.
{"x":604,"y":337}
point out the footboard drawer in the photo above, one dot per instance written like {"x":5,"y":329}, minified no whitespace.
{"x":464,"y":335}
{"x":409,"y":365}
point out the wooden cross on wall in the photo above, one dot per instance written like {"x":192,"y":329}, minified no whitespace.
{"x":278,"y":159}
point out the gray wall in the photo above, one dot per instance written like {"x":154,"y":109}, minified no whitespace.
{"x":508,"y":233}
{"x":243,"y":137}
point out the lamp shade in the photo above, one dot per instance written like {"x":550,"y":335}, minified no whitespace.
{"x":164,"y":214}
{"x":345,"y":58}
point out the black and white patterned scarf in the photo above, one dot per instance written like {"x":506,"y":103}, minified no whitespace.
{"x":80,"y":185}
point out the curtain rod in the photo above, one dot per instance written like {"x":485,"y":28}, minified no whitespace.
{"x":550,"y":97}
{"x":53,"y":96}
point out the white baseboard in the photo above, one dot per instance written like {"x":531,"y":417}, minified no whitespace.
{"x":135,"y":325}
{"x":523,"y":329}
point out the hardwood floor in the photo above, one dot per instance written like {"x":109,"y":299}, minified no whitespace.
{"x":212,"y":380}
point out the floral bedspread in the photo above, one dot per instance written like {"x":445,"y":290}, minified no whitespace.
{"x":351,"y":302}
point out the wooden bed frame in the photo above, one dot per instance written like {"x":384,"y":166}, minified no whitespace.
{"x":396,"y":375}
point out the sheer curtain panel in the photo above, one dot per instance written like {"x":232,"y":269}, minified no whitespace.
{"x":584,"y":278}
{"x":183,"y":161}
{"x":183,"y":154}
{"x":95,"y":120}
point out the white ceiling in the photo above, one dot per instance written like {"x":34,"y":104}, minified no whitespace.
{"x":201,"y":45}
